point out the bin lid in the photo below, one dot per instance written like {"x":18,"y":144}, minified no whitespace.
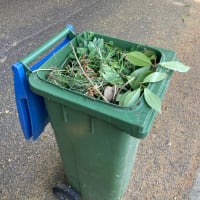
{"x":32,"y":113}
{"x":31,"y":108}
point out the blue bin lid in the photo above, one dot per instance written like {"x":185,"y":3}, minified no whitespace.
{"x":31,"y":108}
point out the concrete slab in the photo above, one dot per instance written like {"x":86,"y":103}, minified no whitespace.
{"x":167,"y":160}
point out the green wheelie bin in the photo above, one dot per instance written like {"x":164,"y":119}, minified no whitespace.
{"x":97,"y":141}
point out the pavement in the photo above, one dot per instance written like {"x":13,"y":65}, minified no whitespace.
{"x":167,"y":160}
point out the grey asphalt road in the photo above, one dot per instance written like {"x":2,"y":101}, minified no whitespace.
{"x":167,"y":160}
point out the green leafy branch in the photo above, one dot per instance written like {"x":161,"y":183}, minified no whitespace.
{"x":140,"y":59}
{"x":101,"y":70}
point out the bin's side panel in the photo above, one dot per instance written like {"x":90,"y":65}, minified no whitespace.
{"x":98,"y":158}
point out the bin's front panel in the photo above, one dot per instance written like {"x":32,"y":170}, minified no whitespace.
{"x":98,"y":158}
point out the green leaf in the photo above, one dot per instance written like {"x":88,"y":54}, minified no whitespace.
{"x":91,"y":47}
{"x":151,"y":54}
{"x":100,"y":43}
{"x":155,"y":77}
{"x":81,"y":50}
{"x":110,"y":75}
{"x":132,"y":97}
{"x":88,"y":35}
{"x":138,"y":58}
{"x":139,"y":75}
{"x":175,"y":66}
{"x":122,"y":97}
{"x":119,"y":97}
{"x":152,"y":100}
{"x":80,"y":40}
{"x":139,"y":71}
{"x":85,"y":44}
{"x":94,"y":40}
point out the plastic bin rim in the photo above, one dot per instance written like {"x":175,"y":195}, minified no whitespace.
{"x":139,"y":116}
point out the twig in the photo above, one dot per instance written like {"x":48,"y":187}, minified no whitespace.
{"x":64,"y":62}
{"x":125,"y":84}
{"x":130,"y":80}
{"x":50,"y":69}
{"x":85,"y":74}
{"x":37,"y":70}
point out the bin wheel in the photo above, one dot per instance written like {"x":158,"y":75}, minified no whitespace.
{"x":65,"y":192}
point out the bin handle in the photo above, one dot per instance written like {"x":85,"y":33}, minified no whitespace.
{"x":68,"y":30}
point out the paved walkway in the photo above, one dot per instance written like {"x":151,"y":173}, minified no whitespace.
{"x":168,"y":159}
